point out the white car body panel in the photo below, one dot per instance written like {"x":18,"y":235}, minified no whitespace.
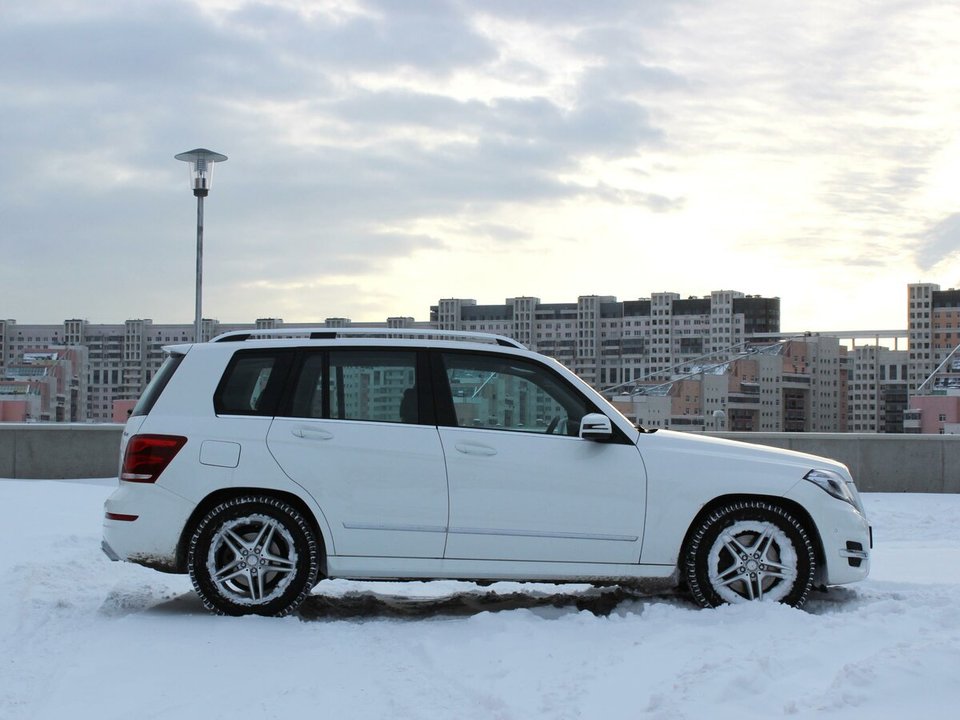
{"x":386,"y":497}
{"x":837,"y":522}
{"x":535,"y":497}
{"x":395,"y":500}
{"x":708,"y":464}
{"x":152,"y":538}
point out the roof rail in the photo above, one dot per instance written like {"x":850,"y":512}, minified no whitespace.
{"x":325,"y":333}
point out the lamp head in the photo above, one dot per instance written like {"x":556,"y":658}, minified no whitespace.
{"x":201,"y":168}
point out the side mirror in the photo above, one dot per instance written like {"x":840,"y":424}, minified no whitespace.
{"x":596,"y":426}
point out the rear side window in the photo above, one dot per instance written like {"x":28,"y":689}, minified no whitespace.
{"x":377,"y":386}
{"x":149,"y":398}
{"x":372,"y":385}
{"x":252,"y":383}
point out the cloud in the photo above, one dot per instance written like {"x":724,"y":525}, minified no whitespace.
{"x":364,"y":133}
{"x":939,"y":242}
{"x":606,"y":14}
{"x":432,"y":36}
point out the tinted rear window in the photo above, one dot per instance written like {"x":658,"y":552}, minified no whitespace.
{"x":374,"y":384}
{"x":149,"y":398}
{"x":252,"y":383}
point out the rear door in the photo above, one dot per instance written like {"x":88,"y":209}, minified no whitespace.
{"x":360,"y":438}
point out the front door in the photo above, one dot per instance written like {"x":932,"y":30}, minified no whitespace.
{"x":523,"y":485}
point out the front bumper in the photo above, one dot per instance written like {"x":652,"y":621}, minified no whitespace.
{"x":845,"y":535}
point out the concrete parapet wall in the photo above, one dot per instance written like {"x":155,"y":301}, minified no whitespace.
{"x":879,"y":463}
{"x":59,"y":450}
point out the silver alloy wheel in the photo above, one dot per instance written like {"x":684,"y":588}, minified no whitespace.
{"x":252,"y":559}
{"x":752,"y":560}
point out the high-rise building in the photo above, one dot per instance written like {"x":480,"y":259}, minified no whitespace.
{"x":118,"y":360}
{"x":933,"y":325}
{"x":45,"y":385}
{"x":608,"y":342}
{"x":934,"y":364}
{"x":795,"y":385}
{"x":712,"y":362}
{"x":605,"y":341}
{"x":877,"y":379}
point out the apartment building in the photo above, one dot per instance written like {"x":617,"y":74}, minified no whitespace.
{"x":44,"y":385}
{"x":608,"y":342}
{"x":877,"y":379}
{"x":707,"y":362}
{"x":795,"y":385}
{"x":933,"y":326}
{"x":118,"y":360}
{"x":934,"y":362}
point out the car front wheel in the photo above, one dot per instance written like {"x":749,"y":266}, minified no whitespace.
{"x":253,"y":555}
{"x":749,"y":550}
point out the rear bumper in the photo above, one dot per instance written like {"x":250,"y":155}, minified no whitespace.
{"x":108,"y":551}
{"x":151,"y":526}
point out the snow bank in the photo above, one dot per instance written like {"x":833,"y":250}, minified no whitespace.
{"x":83,"y":637}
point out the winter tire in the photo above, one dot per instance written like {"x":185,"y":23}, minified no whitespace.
{"x":253,"y":555}
{"x":749,"y":550}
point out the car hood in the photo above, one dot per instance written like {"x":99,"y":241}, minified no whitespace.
{"x":729,"y":449}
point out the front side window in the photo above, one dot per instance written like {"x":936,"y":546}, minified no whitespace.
{"x":507,"y":393}
{"x":372,"y":385}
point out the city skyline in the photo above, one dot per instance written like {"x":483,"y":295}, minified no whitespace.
{"x":424,"y":317}
{"x":694,"y":356}
{"x":383,"y":155}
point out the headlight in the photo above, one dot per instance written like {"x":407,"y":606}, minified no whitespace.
{"x":833,"y":483}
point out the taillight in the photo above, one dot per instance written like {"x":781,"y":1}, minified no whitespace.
{"x":148,"y":455}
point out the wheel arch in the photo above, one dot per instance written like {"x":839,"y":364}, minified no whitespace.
{"x":795,"y":508}
{"x":219,"y":496}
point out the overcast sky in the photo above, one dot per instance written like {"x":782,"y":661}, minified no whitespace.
{"x":386,"y":153}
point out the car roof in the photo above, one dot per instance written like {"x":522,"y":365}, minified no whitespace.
{"x":373,"y":337}
{"x":390,"y":334}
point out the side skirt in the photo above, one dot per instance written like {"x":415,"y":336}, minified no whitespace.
{"x":376,"y":568}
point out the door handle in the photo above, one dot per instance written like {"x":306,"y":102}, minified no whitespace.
{"x":475,"y":449}
{"x":311,"y":433}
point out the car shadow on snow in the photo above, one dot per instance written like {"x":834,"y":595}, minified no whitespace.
{"x":848,"y":599}
{"x":600,"y":601}
{"x":121,"y":602}
{"x":365,"y":604}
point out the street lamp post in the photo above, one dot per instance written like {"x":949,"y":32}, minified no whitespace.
{"x":201,"y":178}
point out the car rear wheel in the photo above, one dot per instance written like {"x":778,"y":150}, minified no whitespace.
{"x":749,"y":550}
{"x":253,"y":555}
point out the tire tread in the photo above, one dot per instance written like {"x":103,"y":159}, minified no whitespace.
{"x":702,"y":593}
{"x":222,"y":606}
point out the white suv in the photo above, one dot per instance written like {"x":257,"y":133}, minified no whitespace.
{"x":261,"y":464}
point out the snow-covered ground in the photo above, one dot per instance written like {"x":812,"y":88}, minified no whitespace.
{"x":81,"y":637}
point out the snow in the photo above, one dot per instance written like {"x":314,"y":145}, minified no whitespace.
{"x":83,"y":637}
